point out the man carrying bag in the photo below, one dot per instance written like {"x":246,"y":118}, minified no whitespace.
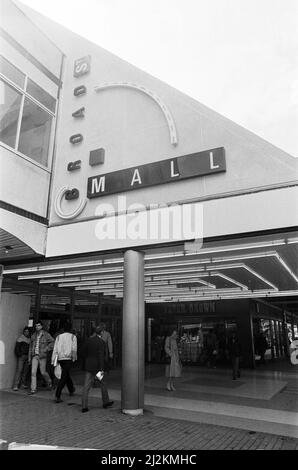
{"x":94,"y":354}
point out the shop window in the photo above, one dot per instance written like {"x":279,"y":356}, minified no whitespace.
{"x":35,"y":132}
{"x":41,"y":95}
{"x":10,"y":104}
{"x":12,"y":72}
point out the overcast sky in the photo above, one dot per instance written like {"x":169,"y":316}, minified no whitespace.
{"x":239,"y":57}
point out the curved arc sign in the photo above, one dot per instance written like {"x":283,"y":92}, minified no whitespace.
{"x":166,"y":112}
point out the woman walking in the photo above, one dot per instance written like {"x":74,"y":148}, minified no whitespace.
{"x":173,"y":370}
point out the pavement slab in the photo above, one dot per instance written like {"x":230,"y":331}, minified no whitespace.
{"x":40,"y":421}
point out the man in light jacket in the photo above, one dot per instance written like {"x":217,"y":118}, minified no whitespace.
{"x":65,"y":353}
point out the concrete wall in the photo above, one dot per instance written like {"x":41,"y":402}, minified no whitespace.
{"x":132,"y":129}
{"x":14,"y":315}
{"x":18,"y":173}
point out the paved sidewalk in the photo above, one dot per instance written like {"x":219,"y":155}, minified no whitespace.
{"x":38,"y":420}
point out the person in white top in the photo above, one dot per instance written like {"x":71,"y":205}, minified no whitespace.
{"x":65,"y":353}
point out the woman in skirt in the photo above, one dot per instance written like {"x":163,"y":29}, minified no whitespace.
{"x":173,"y":369}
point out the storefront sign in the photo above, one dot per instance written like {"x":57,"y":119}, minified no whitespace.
{"x":165,"y":171}
{"x":191,"y":307}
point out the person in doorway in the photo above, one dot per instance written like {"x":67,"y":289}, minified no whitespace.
{"x":262,"y":347}
{"x":22,"y":351}
{"x":106,"y":336}
{"x":174,"y":368}
{"x":212,"y":349}
{"x":65,"y":353}
{"x":41,"y":342}
{"x":94,"y":353}
{"x":234,"y":348}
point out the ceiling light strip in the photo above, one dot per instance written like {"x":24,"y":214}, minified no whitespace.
{"x":252,"y":271}
{"x":284,"y":264}
{"x":243,"y":286}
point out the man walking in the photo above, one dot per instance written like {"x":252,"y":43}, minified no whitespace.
{"x":41,"y":342}
{"x":65,"y":353}
{"x":94,"y":353}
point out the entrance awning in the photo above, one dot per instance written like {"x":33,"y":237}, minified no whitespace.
{"x":264,"y":266}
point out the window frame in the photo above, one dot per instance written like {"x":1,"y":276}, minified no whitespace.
{"x":25,"y":95}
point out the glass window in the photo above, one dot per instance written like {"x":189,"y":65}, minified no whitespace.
{"x":11,"y":72}
{"x":41,"y":95}
{"x":35,"y":132}
{"x":10,"y":102}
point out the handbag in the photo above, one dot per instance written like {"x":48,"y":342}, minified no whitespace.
{"x":58,"y":371}
{"x":100,"y":375}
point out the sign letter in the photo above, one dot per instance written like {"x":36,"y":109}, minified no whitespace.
{"x":98,"y":186}
{"x":136,"y":178}
{"x":212,"y":166}
{"x":173,"y":174}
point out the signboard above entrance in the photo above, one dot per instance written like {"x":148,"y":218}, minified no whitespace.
{"x":165,"y":171}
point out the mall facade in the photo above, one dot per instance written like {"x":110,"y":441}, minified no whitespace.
{"x":124,"y":200}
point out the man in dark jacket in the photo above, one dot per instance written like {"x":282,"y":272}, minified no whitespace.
{"x":235,"y":353}
{"x":94,"y":354}
{"x":21,"y":351}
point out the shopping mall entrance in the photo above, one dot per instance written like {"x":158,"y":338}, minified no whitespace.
{"x":246,"y":284}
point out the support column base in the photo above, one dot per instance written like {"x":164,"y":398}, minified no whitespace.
{"x":133,"y":412}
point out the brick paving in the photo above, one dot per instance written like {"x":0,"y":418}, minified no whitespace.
{"x":35,"y":420}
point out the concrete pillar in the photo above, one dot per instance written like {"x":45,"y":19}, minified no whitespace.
{"x":286,"y":346}
{"x":2,"y":344}
{"x":1,"y":278}
{"x":277,"y":354}
{"x":72,"y":306}
{"x":245,"y":332}
{"x":37,"y":304}
{"x":272,"y":339}
{"x":99,"y":309}
{"x":133,"y":334}
{"x":14,"y":316}
{"x":149,"y":338}
{"x":292,"y":327}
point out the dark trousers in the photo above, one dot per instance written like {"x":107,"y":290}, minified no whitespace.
{"x":211,"y":361}
{"x":65,"y":378}
{"x":235,"y":364}
{"x":89,"y":378}
{"x":21,"y":371}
